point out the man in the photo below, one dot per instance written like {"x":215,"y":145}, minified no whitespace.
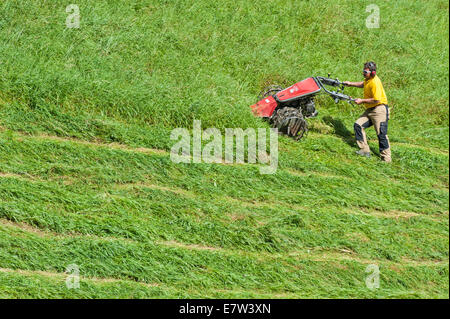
{"x":376,"y":113}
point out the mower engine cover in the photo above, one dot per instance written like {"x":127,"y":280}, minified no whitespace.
{"x":298,"y":90}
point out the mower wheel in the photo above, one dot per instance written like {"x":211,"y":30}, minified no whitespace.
{"x":290,"y":121}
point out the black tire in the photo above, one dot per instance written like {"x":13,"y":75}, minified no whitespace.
{"x":290,"y":121}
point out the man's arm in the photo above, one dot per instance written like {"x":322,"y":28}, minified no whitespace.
{"x":367,"y":101}
{"x":354,"y":84}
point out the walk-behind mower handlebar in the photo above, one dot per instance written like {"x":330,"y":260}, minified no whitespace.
{"x":328,"y":81}
{"x":337,"y":95}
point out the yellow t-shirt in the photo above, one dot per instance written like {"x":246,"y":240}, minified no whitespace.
{"x":374,"y":89}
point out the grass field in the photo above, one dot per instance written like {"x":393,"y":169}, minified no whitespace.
{"x":86,"y":177}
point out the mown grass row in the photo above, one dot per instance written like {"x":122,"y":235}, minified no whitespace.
{"x":195,"y":270}
{"x":290,"y":211}
{"x":70,"y":188}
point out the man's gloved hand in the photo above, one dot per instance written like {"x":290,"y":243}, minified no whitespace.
{"x":358,"y":101}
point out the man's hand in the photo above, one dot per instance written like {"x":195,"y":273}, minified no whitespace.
{"x":347,"y":83}
{"x":358,"y":101}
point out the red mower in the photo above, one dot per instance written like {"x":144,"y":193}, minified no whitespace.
{"x":287,"y":109}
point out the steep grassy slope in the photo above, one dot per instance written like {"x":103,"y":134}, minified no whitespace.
{"x":86,"y":177}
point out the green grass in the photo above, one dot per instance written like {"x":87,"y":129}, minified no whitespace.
{"x":83,"y":113}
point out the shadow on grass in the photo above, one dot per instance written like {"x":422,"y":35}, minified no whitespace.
{"x":340,"y":130}
{"x":346,"y":135}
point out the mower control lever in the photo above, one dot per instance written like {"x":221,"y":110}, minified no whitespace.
{"x":340,"y":96}
{"x":337,"y":95}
